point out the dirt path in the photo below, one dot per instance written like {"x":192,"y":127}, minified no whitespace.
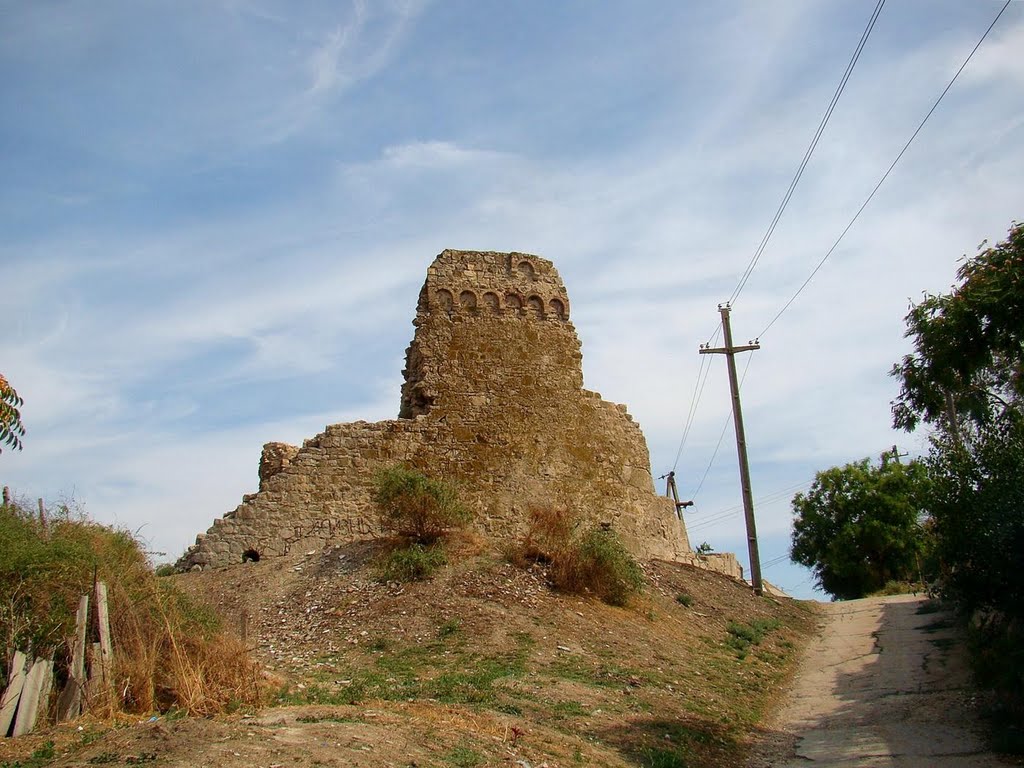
{"x":885,"y":684}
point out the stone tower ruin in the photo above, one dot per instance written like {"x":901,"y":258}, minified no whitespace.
{"x":493,"y":401}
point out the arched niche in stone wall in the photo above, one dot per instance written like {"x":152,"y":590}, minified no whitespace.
{"x":527,"y":270}
{"x":513,"y":301}
{"x":467,"y":300}
{"x":444,"y":299}
{"x":491,"y":302}
{"x":535,"y":306}
{"x":557,"y":308}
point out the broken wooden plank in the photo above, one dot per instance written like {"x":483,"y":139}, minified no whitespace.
{"x":15,"y":685}
{"x":34,"y":697}
{"x":69,"y":704}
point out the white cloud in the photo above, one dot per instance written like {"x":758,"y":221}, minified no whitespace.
{"x":325,"y":61}
{"x":313,"y":249}
{"x":437,"y":155}
{"x":999,"y":58}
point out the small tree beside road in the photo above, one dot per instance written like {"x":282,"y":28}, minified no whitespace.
{"x":858,"y":527}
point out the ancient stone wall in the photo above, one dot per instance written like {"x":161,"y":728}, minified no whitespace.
{"x":493,"y":401}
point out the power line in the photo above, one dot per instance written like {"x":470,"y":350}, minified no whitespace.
{"x":722,"y":436}
{"x":776,"y":561}
{"x":702,"y":521}
{"x":712,"y":521}
{"x":886,"y":174}
{"x":729,"y":349}
{"x":810,"y":151}
{"x":698,"y":392}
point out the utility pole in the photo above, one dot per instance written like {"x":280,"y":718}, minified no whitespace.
{"x":741,"y":442}
{"x":672,"y":491}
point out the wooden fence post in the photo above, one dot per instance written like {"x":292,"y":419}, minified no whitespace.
{"x":101,"y":663}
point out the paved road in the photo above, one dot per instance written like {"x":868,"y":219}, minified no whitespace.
{"x":885,"y":684}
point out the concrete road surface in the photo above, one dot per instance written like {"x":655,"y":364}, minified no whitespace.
{"x":885,"y":684}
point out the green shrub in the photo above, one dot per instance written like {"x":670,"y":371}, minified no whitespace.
{"x":684,"y":599}
{"x":417,"y":507}
{"x":997,"y":654}
{"x":597,"y":562}
{"x":414,"y":562}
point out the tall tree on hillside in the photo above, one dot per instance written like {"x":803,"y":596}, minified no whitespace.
{"x":857,"y":528}
{"x":11,"y":428}
{"x":968,"y":358}
{"x":966,"y":377}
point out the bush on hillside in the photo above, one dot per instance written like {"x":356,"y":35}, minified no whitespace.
{"x":168,"y":651}
{"x":416,"y":507}
{"x":597,"y":562}
{"x":584,"y":559}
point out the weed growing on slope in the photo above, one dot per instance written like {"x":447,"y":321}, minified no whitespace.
{"x":414,"y":562}
{"x":441,"y":671}
{"x":742,"y":636}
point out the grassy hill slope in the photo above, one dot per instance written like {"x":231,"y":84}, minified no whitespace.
{"x":483,"y":665}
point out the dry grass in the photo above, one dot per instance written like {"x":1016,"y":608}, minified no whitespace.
{"x":584,"y":559}
{"x":169,"y":652}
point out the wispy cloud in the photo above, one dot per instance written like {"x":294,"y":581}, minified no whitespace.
{"x":254,"y":193}
{"x":438,"y":155}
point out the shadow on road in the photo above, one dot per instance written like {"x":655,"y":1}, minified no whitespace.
{"x":887,"y":684}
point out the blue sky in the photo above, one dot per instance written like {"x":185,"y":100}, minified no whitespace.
{"x":215,"y":219}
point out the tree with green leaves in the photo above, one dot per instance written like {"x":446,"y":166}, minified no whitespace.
{"x":968,"y":358}
{"x":978,"y":509}
{"x":858,"y":527}
{"x":966,"y":378}
{"x":11,"y":428}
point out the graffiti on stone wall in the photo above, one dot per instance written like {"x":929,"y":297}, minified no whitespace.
{"x":327,"y":528}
